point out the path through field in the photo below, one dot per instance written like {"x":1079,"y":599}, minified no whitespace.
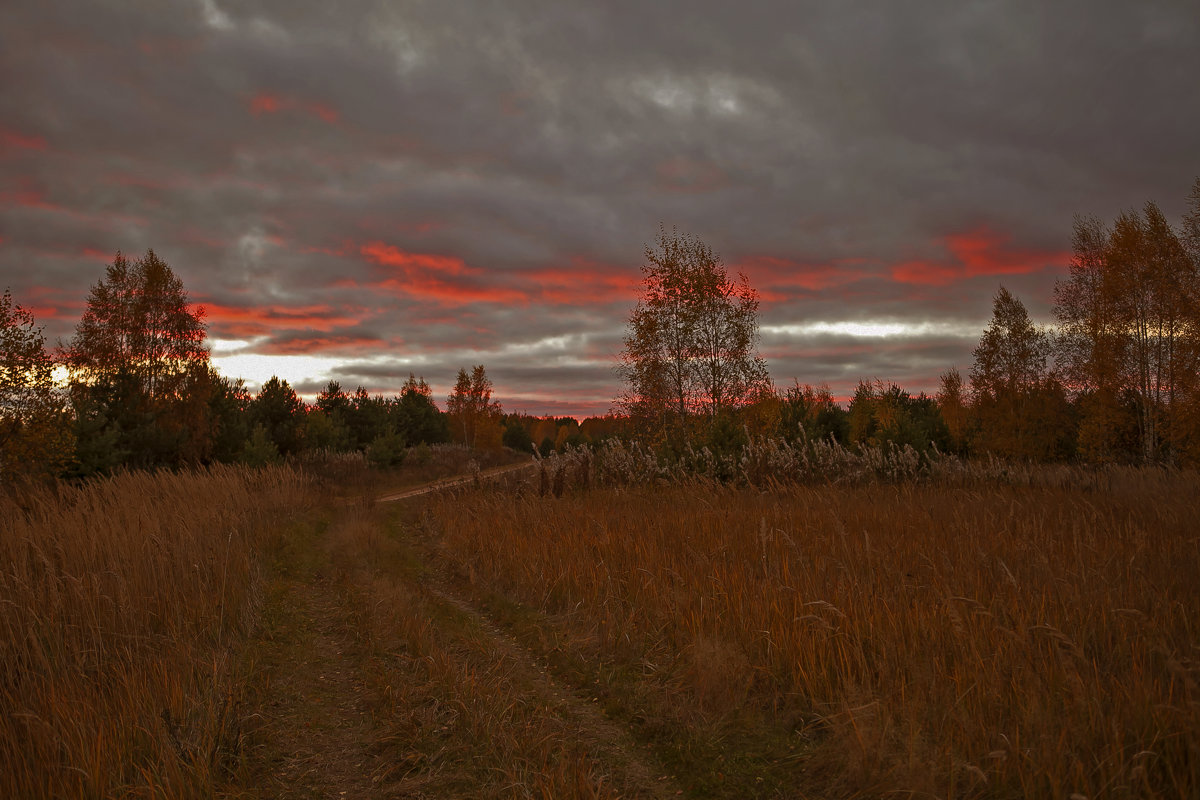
{"x":456,"y":482}
{"x":376,"y":679}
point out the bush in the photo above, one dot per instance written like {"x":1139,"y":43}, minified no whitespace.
{"x":260,"y":450}
{"x":421,"y":454}
{"x":516,"y":437}
{"x":386,"y":450}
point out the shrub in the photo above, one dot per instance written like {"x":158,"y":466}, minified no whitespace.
{"x":386,"y":450}
{"x":260,"y":450}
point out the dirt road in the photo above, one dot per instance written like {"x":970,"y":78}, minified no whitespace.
{"x":458,"y":481}
{"x":376,"y":679}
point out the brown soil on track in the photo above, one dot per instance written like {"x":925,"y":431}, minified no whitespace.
{"x":633,"y":770}
{"x":456,"y":482}
{"x":321,"y":726}
{"x":316,"y":718}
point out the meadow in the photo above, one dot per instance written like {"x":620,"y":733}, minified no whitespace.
{"x":125,"y":600}
{"x":968,"y":636}
{"x":606,"y":628}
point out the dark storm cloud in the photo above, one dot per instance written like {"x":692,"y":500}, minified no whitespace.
{"x":419,"y":186}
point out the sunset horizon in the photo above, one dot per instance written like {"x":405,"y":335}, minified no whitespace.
{"x":364,"y":193}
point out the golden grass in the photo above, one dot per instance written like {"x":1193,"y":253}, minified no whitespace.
{"x":458,"y":712}
{"x":121,"y":600}
{"x":967,"y":640}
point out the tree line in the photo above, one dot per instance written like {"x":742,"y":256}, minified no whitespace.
{"x":1114,"y":381}
{"x":141,"y":392}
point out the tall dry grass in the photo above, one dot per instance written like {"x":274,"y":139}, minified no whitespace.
{"x":950,"y":640}
{"x":122,"y":598}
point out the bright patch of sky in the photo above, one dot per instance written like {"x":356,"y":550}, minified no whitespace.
{"x":720,"y":95}
{"x":214,"y":17}
{"x":229,"y":357}
{"x":874,"y":329}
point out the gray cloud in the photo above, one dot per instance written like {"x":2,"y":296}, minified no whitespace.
{"x":849,"y":156}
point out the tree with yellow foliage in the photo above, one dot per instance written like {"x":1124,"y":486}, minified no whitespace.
{"x":1129,"y":316}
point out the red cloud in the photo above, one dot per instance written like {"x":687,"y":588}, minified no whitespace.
{"x":388,"y":256}
{"x":263,"y":103}
{"x":772,"y":273}
{"x":11,"y":141}
{"x":976,"y":253}
{"x":142,"y":182}
{"x":245,"y":323}
{"x":267,"y":103}
{"x":449,"y":293}
{"x":327,"y":251}
{"x":196,"y":236}
{"x":307,"y":345}
{"x":46,"y":303}
{"x":422,"y":276}
{"x":373,"y":223}
{"x":585,"y":282}
{"x":27,"y":195}
{"x":326,"y":113}
{"x":689,"y":176}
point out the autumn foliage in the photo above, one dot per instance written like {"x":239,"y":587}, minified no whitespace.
{"x":1114,"y":381}
{"x":1129,"y":349}
{"x":691,"y":344}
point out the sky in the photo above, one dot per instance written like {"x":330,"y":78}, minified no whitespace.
{"x":358,"y":191}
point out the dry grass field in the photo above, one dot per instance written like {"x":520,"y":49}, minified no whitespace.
{"x":252,"y":635}
{"x":123,"y":601}
{"x":914,"y":639}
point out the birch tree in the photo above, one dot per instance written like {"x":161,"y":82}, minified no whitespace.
{"x":1129,"y":316}
{"x":138,"y":323}
{"x":691,"y":342}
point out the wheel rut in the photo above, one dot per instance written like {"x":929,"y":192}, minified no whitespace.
{"x":634,"y":771}
{"x":317,"y":714}
{"x":375,"y":678}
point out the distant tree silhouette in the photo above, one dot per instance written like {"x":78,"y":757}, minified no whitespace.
{"x":229,"y":405}
{"x":517,"y":436}
{"x":418,"y":419}
{"x":810,"y":413}
{"x":882,"y":413}
{"x":139,"y":367}
{"x":326,"y":424}
{"x":952,"y":403}
{"x":138,"y":322}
